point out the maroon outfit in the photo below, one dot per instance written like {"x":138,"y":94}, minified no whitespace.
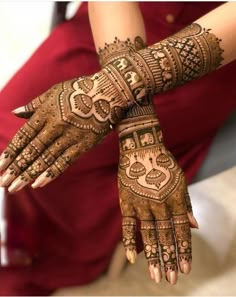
{"x":74,"y":223}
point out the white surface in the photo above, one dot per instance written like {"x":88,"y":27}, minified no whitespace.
{"x":23,"y":26}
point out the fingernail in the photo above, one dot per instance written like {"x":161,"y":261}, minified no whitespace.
{"x":6,"y":179}
{"x":40,"y":181}
{"x":133,"y":256}
{"x":173,"y":277}
{"x":128,"y":254}
{"x":151,"y":270}
{"x":195,"y":222}
{"x":3,"y":163}
{"x":17,"y":185}
{"x":186,"y":268}
{"x":157,"y":274}
{"x":19,"y":110}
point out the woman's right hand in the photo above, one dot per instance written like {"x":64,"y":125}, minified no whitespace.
{"x":152,"y":188}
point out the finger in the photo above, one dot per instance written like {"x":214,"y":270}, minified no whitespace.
{"x":29,"y":154}
{"x":179,"y":208}
{"x":183,"y":241}
{"x":168,"y":250}
{"x":59,"y":166}
{"x":25,"y":134}
{"x":129,"y":238}
{"x":43,"y":162}
{"x":128,"y":222}
{"x":166,"y":240}
{"x":29,"y":109}
{"x":192,"y":219}
{"x":149,"y":235}
{"x":144,"y":213}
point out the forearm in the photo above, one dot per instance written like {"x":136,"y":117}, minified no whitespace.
{"x":113,"y":38}
{"x":187,"y":55}
{"x":110,"y":20}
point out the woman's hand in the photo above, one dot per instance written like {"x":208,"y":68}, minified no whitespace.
{"x":67,"y":120}
{"x":152,"y":188}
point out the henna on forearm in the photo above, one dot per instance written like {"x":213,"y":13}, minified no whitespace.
{"x":183,"y":57}
{"x":148,"y":177}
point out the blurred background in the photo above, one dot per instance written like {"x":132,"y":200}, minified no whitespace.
{"x":34,"y":26}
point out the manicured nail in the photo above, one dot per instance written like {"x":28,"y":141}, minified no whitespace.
{"x":129,"y":256}
{"x":151,"y":271}
{"x":6,"y":179}
{"x":3,"y":163}
{"x":40,"y":181}
{"x":17,"y":185}
{"x":19,"y":110}
{"x":173,"y":277}
{"x":133,"y":256}
{"x":157,"y":275}
{"x":195,"y":222}
{"x":186,"y":268}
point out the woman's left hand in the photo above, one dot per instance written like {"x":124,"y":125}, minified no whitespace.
{"x":67,"y":120}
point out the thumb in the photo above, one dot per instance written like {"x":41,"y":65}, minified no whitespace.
{"x":192,"y":220}
{"x":29,"y":109}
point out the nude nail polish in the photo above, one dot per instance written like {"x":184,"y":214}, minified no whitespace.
{"x":19,"y":110}
{"x":133,"y":256}
{"x":39,"y":182}
{"x":151,"y":271}
{"x":128,"y":254}
{"x":186,"y":268}
{"x":2,"y":164}
{"x":173,"y":277}
{"x":157,"y":275}
{"x":195,"y":222}
{"x":17,"y":185}
{"x":6,"y":179}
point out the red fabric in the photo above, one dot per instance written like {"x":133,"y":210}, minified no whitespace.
{"x":74,"y":223}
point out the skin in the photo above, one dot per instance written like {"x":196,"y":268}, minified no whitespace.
{"x":73,"y":116}
{"x":156,"y":214}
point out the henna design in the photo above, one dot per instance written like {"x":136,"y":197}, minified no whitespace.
{"x":86,"y":108}
{"x":185,"y":56}
{"x":148,"y":172}
{"x":147,"y":168}
{"x":129,"y":231}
